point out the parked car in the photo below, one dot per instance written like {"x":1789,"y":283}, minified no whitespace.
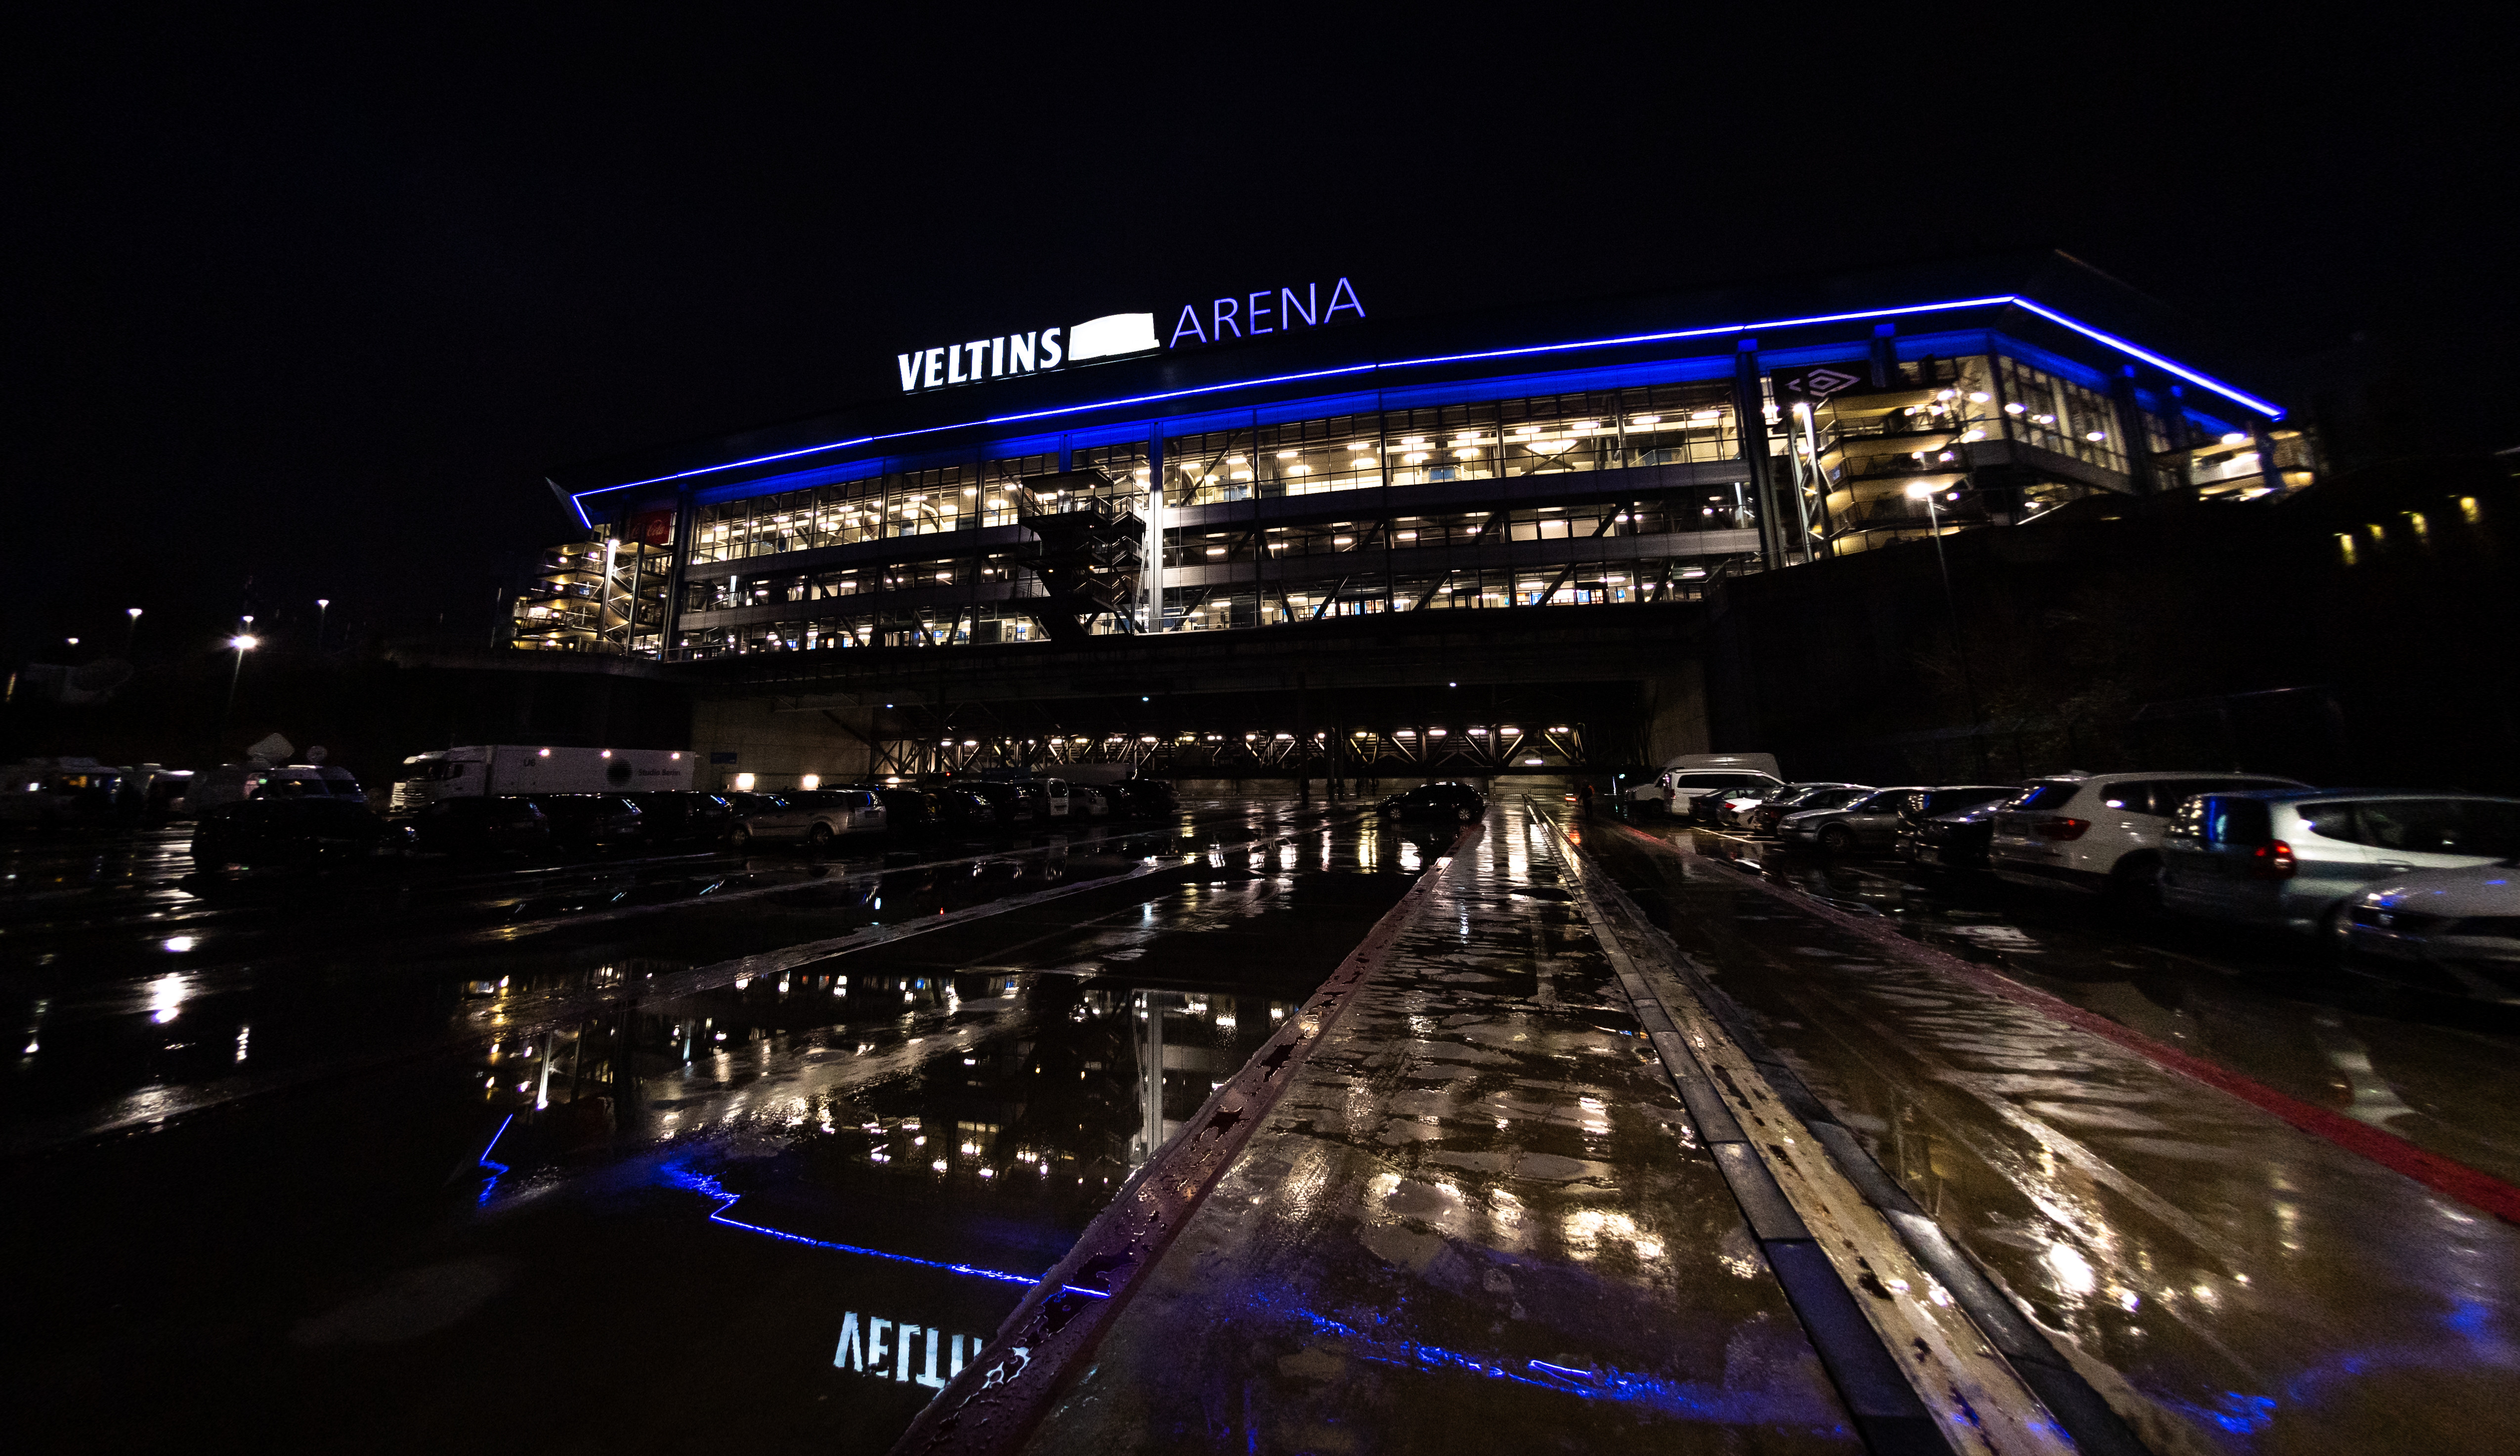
{"x":1740,"y":808}
{"x":1925,"y":805}
{"x":1459,"y":802}
{"x":2099,"y":833}
{"x":592,"y":822}
{"x":1956,"y":840}
{"x":1007,"y":803}
{"x":1869,"y":823}
{"x":1768,"y":815}
{"x":2292,"y":860}
{"x":2453,"y":931}
{"x":962,"y":811}
{"x":480,"y":826}
{"x":1142,"y":799}
{"x":683,"y":817}
{"x":911,"y":811}
{"x":1695,"y":793}
{"x":1089,"y":803}
{"x":295,"y":833}
{"x":812,"y":817}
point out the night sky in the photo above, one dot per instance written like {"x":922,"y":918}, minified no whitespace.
{"x":315,"y":299}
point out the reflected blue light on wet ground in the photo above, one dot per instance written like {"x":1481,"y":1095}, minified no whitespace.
{"x":1659,"y":1395}
{"x":497,"y":1170}
{"x":709,"y":1187}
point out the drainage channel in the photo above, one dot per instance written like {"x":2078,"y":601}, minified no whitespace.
{"x":1928,"y":1355}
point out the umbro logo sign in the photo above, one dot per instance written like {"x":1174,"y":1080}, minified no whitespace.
{"x":1818,"y":383}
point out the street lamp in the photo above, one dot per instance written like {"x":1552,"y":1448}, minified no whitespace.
{"x":132,"y":632}
{"x":321,"y":602}
{"x":243,"y":642}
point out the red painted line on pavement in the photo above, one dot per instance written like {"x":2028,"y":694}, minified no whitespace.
{"x":2443,"y":1175}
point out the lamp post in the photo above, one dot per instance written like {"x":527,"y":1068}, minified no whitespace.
{"x":131,"y":633}
{"x":321,"y":602}
{"x":1951,"y":609}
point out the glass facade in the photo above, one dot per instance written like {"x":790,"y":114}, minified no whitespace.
{"x":1626,"y":495}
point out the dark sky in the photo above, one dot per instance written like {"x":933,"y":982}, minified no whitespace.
{"x":315,"y":298}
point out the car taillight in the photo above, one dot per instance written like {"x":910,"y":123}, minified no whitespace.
{"x":2059,"y":829}
{"x":2272,"y":861}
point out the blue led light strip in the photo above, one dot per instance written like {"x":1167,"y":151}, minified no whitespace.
{"x":2132,"y":351}
{"x":709,"y":1187}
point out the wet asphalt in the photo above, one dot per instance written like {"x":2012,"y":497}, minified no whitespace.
{"x":393,"y":1164}
{"x":623,"y":1156}
{"x":2232,"y":1283}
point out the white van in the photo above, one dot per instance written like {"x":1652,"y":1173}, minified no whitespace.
{"x":1690,"y":775}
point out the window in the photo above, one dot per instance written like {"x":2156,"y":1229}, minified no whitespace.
{"x":2050,"y":795}
{"x":2440,"y":826}
{"x":2238,"y":821}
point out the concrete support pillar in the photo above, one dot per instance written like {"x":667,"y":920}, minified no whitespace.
{"x":2134,"y":441}
{"x":686,"y":514}
{"x":1152,"y":575}
{"x":2183,"y":438}
{"x":1749,"y":411}
{"x":1675,"y":705}
{"x":2266,"y":467}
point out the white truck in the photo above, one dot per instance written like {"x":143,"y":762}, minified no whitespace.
{"x":504,"y":769}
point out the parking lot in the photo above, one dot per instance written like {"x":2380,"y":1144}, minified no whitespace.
{"x":632,"y":1150}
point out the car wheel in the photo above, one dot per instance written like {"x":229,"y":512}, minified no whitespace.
{"x":2134,"y":886}
{"x":1838,"y":838}
{"x":739,"y":839}
{"x":819,"y":837}
{"x":1464,"y":814}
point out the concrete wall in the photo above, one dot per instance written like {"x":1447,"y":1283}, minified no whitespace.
{"x":1676,"y":721}
{"x":778,"y":746}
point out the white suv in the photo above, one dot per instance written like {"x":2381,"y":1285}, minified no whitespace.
{"x":2100,"y":833}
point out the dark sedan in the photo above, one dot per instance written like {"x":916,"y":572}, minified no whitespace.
{"x":1140,"y":799}
{"x":292,"y":833}
{"x":906,"y":811}
{"x":1956,"y":840}
{"x":1832,"y":797}
{"x":1459,"y":802}
{"x":959,"y":810}
{"x":479,"y":825}
{"x":1949,"y":827}
{"x":680,"y":816}
{"x":592,"y":822}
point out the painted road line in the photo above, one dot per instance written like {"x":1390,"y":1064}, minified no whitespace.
{"x":2443,"y":1175}
{"x":1875,"y":1310}
{"x":1001,"y":1398}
